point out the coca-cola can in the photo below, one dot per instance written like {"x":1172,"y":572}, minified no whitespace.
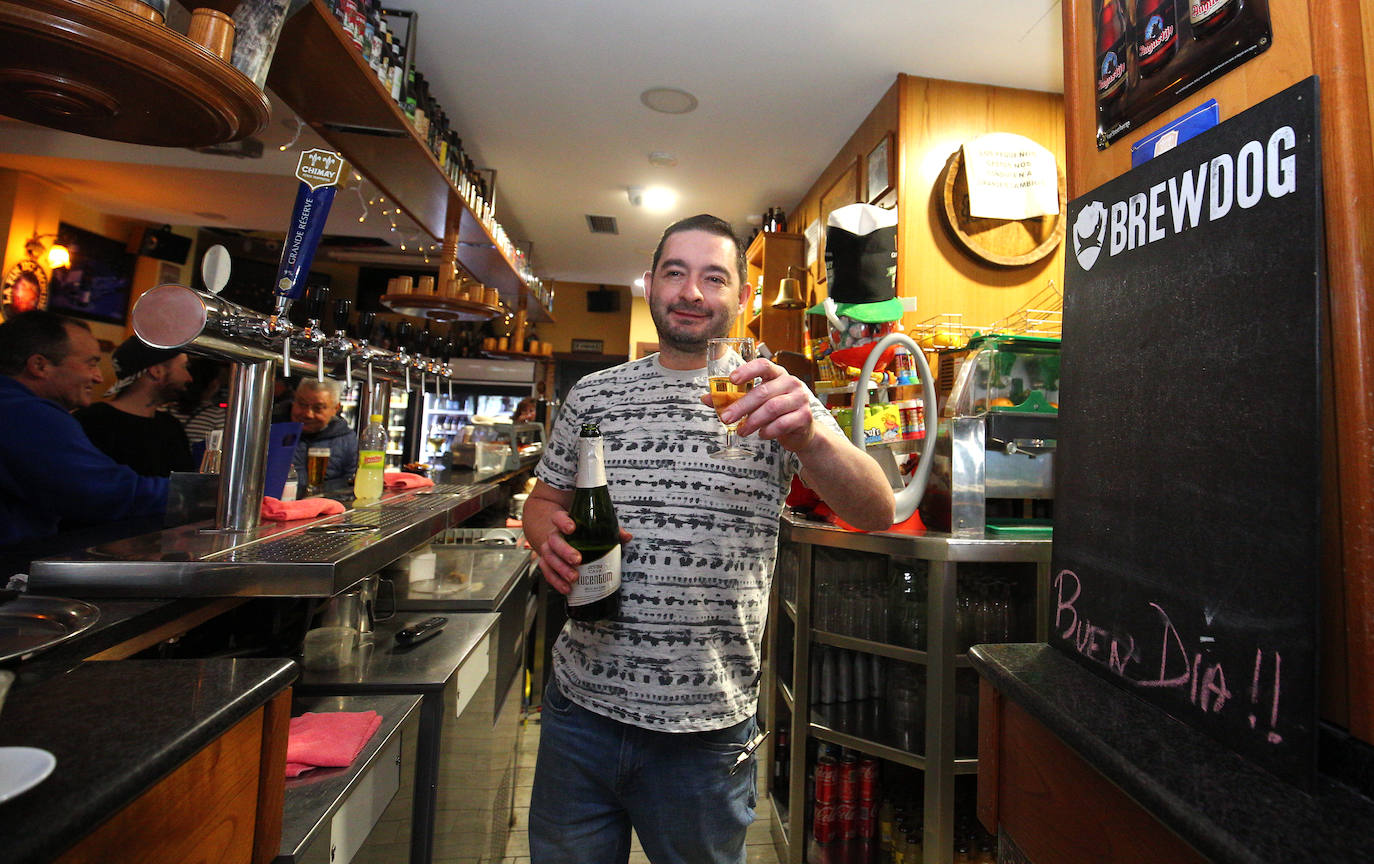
{"x":823,"y":822}
{"x":825,"y":780}
{"x":849,"y":779}
{"x":868,"y":820}
{"x":868,"y":780}
{"x":848,"y":817}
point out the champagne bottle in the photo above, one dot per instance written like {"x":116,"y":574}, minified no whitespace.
{"x":596,"y":593}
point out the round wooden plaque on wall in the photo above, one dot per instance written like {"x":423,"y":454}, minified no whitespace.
{"x":1003,"y":242}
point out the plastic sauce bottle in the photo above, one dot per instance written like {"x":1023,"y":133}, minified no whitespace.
{"x":367,"y":484}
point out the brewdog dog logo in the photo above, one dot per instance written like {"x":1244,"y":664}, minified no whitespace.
{"x":1206,"y":192}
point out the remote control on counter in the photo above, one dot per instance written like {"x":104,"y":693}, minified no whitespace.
{"x":412,"y":633}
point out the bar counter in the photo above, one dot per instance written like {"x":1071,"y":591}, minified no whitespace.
{"x":1224,"y":806}
{"x":118,"y":729}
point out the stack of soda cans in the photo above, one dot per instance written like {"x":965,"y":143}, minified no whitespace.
{"x":847,"y":798}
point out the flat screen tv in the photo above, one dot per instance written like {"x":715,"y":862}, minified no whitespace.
{"x":97,"y":283}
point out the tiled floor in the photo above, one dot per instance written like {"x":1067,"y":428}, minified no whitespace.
{"x":759,"y":842}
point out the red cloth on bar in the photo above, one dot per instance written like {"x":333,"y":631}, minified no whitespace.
{"x":403,"y":480}
{"x":305,"y":508}
{"x":331,"y":740}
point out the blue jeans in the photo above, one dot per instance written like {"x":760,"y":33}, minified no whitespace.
{"x":597,"y":777}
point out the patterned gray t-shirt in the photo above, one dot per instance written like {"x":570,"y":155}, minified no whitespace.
{"x":683,"y":655}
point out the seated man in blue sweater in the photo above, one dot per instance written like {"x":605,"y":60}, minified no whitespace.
{"x":50,"y":472}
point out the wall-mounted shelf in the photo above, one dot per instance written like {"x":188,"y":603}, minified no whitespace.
{"x":322,"y":77}
{"x":89,"y":67}
{"x":437,"y":308}
{"x":770,"y":257}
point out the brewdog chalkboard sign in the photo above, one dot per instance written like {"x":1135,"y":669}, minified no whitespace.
{"x":1188,"y":472}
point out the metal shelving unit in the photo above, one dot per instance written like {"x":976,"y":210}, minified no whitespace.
{"x":788,"y":686}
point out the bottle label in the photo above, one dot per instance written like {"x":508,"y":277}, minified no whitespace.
{"x":375,"y":459}
{"x":1158,"y":34}
{"x":596,"y":579}
{"x":591,"y":470}
{"x":1200,"y":10}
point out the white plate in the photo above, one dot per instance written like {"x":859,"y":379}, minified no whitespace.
{"x":22,"y":768}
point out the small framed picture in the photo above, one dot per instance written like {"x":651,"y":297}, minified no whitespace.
{"x":880,"y":171}
{"x":588,"y":346}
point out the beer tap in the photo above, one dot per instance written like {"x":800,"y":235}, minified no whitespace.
{"x":314,"y":334}
{"x":341,"y":343}
{"x":402,"y":338}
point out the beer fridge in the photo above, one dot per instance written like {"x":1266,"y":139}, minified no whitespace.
{"x":432,"y":422}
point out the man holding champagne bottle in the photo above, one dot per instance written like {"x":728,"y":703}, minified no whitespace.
{"x":648,"y":720}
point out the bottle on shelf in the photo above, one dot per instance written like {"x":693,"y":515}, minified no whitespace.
{"x":595,"y":595}
{"x":367,"y":484}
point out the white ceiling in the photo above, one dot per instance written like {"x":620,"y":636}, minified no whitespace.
{"x":546,"y":92}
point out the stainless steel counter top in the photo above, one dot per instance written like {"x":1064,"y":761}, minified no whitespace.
{"x":382,"y":666}
{"x":930,"y":545}
{"x":309,"y":558}
{"x":314,"y":797}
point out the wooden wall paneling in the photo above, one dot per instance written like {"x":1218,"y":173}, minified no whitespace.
{"x":879,"y":122}
{"x":1339,"y":46}
{"x":202,"y":811}
{"x":845,"y":190}
{"x":936,"y":118}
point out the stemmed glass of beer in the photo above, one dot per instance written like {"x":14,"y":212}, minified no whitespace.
{"x":722,"y":357}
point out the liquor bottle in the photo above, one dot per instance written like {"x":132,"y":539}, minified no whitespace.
{"x":1208,"y":16}
{"x":1156,"y":34}
{"x":595,"y":595}
{"x":367,"y":484}
{"x":1111,"y":52}
{"x":397,"y":73}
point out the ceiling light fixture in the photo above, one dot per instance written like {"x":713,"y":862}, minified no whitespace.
{"x":668,"y":100}
{"x":655,"y":199}
{"x":658,"y":199}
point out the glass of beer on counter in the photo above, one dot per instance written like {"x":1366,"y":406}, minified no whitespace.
{"x":723,"y":356}
{"x":316,"y":464}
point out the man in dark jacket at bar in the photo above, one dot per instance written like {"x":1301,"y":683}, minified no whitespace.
{"x":316,"y":408}
{"x":50,"y":472}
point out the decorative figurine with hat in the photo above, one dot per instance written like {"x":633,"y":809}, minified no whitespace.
{"x":861,"y":276}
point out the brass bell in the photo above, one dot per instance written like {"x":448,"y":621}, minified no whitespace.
{"x":789,"y":295}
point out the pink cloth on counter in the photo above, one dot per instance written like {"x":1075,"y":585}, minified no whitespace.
{"x":305,"y":508}
{"x":403,"y":480}
{"x":331,"y":740}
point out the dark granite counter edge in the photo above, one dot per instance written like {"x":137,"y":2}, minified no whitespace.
{"x":1181,"y":776}
{"x":62,"y":827}
{"x":174,"y":752}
